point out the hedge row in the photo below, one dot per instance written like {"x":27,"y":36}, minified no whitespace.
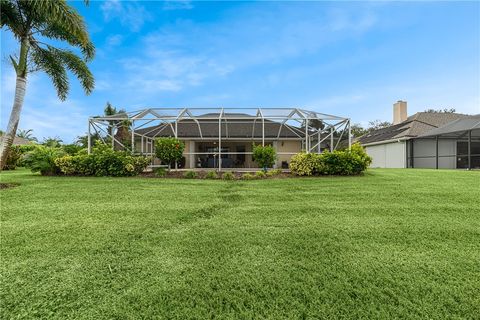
{"x":103,"y":161}
{"x":347,"y":162}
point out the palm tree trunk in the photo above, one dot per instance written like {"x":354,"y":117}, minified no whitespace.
{"x":14,"y":119}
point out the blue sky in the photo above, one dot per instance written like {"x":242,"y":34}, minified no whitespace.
{"x":352,"y":59}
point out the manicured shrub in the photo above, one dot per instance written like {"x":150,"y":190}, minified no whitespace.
{"x":42,"y":159}
{"x":228,"y":176}
{"x":264,"y":156}
{"x":260,"y":174}
{"x":169,"y":149}
{"x":13,"y":158}
{"x":27,"y":148}
{"x":136,"y":164}
{"x":160,"y":172}
{"x":102,"y":162}
{"x":274,"y":172}
{"x":248,"y":176}
{"x":24,"y":149}
{"x":211,"y":175}
{"x":190,"y":175}
{"x":66,"y":164}
{"x":72,"y":149}
{"x":346,"y":162}
{"x":305,"y":164}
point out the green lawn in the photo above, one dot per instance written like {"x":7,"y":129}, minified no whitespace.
{"x":390,"y":244}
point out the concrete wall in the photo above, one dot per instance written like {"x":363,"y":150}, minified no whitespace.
{"x":388,"y":155}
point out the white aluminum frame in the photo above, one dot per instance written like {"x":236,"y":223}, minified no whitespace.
{"x":170,"y":117}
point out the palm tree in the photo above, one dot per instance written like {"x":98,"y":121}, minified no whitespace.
{"x":110,"y":111}
{"x":27,"y":135}
{"x":31,"y":22}
{"x":53,"y":142}
{"x":123,"y":126}
{"x":82,"y":141}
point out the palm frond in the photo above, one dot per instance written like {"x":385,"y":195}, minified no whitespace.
{"x":11,"y":18}
{"x":78,"y":67}
{"x":50,"y":62}
{"x":56,"y":19}
{"x":59,"y":32}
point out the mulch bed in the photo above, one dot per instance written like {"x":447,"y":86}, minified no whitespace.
{"x":202,"y":174}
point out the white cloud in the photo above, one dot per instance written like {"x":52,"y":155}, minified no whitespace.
{"x":114,"y":40}
{"x":130,"y":14}
{"x":159,"y":70}
{"x":42,"y":110}
{"x":177,"y":5}
{"x":66,"y":120}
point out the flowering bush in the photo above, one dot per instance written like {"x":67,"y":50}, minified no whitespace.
{"x":305,"y":164}
{"x":169,"y":149}
{"x":347,"y":162}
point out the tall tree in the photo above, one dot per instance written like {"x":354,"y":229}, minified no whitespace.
{"x":27,"y":135}
{"x":445,"y":110}
{"x":32,"y":23}
{"x":82,"y":141}
{"x":110,"y":111}
{"x":53,"y":142}
{"x":377,"y":124}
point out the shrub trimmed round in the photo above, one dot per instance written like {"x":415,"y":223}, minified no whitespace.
{"x":169,"y":149}
{"x":346,"y":162}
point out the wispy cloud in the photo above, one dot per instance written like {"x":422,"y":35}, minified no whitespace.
{"x":180,"y":55}
{"x":130,"y":14}
{"x":158,"y":70}
{"x":66,"y":120}
{"x":177,"y":5}
{"x":114,"y":40}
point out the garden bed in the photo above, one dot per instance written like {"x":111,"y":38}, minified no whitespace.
{"x":203,"y":174}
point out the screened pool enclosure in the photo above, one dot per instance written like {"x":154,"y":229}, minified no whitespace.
{"x":223,"y":137}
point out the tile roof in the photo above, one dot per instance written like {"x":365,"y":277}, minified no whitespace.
{"x":234,"y":128}
{"x":415,"y":125}
{"x":17,"y":140}
{"x":457,"y":126}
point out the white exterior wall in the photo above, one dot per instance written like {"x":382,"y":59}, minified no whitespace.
{"x":388,"y":155}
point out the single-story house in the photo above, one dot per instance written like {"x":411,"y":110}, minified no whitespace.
{"x":454,"y":145}
{"x":411,"y":142}
{"x":223,"y":137}
{"x":17,"y":141}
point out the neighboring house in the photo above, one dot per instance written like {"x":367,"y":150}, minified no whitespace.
{"x":17,"y":141}
{"x":454,"y":145}
{"x":399,"y":146}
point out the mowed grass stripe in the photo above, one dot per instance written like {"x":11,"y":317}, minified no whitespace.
{"x":389,"y":244}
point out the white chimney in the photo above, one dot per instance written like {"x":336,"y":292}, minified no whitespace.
{"x":399,"y":111}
